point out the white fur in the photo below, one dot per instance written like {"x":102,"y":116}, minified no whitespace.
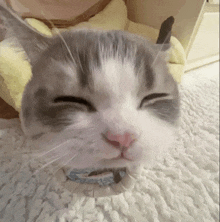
{"x":116,"y":101}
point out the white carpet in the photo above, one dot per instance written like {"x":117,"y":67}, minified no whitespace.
{"x":183,"y":188}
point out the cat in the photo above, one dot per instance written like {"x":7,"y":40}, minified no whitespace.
{"x":98,"y":99}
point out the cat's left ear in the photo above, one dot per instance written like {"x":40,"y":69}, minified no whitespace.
{"x":163,"y":40}
{"x":31,"y":41}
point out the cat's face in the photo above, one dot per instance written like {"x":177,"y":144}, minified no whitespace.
{"x":109,"y":84}
{"x":107,"y":101}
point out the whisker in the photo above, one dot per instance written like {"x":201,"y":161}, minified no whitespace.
{"x":160,"y":50}
{"x":56,"y":147}
{"x":73,"y":157}
{"x":79,"y":59}
{"x":54,"y":160}
{"x":60,"y":35}
{"x":42,"y":154}
{"x":36,"y":172}
{"x":47,"y":164}
{"x":57,"y":169}
{"x":17,"y":175}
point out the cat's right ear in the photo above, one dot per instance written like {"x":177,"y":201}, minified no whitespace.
{"x":31,"y":41}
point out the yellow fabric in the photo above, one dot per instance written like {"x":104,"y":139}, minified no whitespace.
{"x":39,"y":26}
{"x":15,"y":71}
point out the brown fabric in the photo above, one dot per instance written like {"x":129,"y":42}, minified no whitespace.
{"x":6,"y":111}
{"x":98,"y":7}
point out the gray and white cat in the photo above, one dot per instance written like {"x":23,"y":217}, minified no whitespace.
{"x":100,"y":99}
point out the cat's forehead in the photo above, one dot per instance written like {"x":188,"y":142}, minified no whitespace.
{"x":95,"y":58}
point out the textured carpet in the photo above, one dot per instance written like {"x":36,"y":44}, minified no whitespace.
{"x":183,"y":187}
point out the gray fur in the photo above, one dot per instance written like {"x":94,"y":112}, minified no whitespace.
{"x":88,"y":49}
{"x":85,"y":48}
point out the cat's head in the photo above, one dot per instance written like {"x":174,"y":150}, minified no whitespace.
{"x":102,"y":99}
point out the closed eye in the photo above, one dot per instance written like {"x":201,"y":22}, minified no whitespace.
{"x":77,"y":100}
{"x":153,"y":97}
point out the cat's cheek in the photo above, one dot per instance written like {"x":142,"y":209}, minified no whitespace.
{"x":80,"y":120}
{"x":155,"y":141}
{"x":134,"y":154}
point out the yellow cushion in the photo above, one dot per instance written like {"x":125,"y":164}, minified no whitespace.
{"x":15,"y":71}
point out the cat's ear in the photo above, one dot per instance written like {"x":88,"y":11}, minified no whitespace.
{"x":163,"y":39}
{"x":31,"y":41}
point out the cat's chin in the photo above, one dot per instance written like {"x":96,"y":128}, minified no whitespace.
{"x":118,"y":161}
{"x":115,"y":163}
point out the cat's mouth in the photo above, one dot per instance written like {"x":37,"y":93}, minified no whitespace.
{"x":103,"y":177}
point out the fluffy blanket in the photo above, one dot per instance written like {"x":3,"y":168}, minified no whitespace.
{"x":183,"y":187}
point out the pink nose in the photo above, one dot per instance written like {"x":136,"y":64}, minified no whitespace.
{"x":118,"y":140}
